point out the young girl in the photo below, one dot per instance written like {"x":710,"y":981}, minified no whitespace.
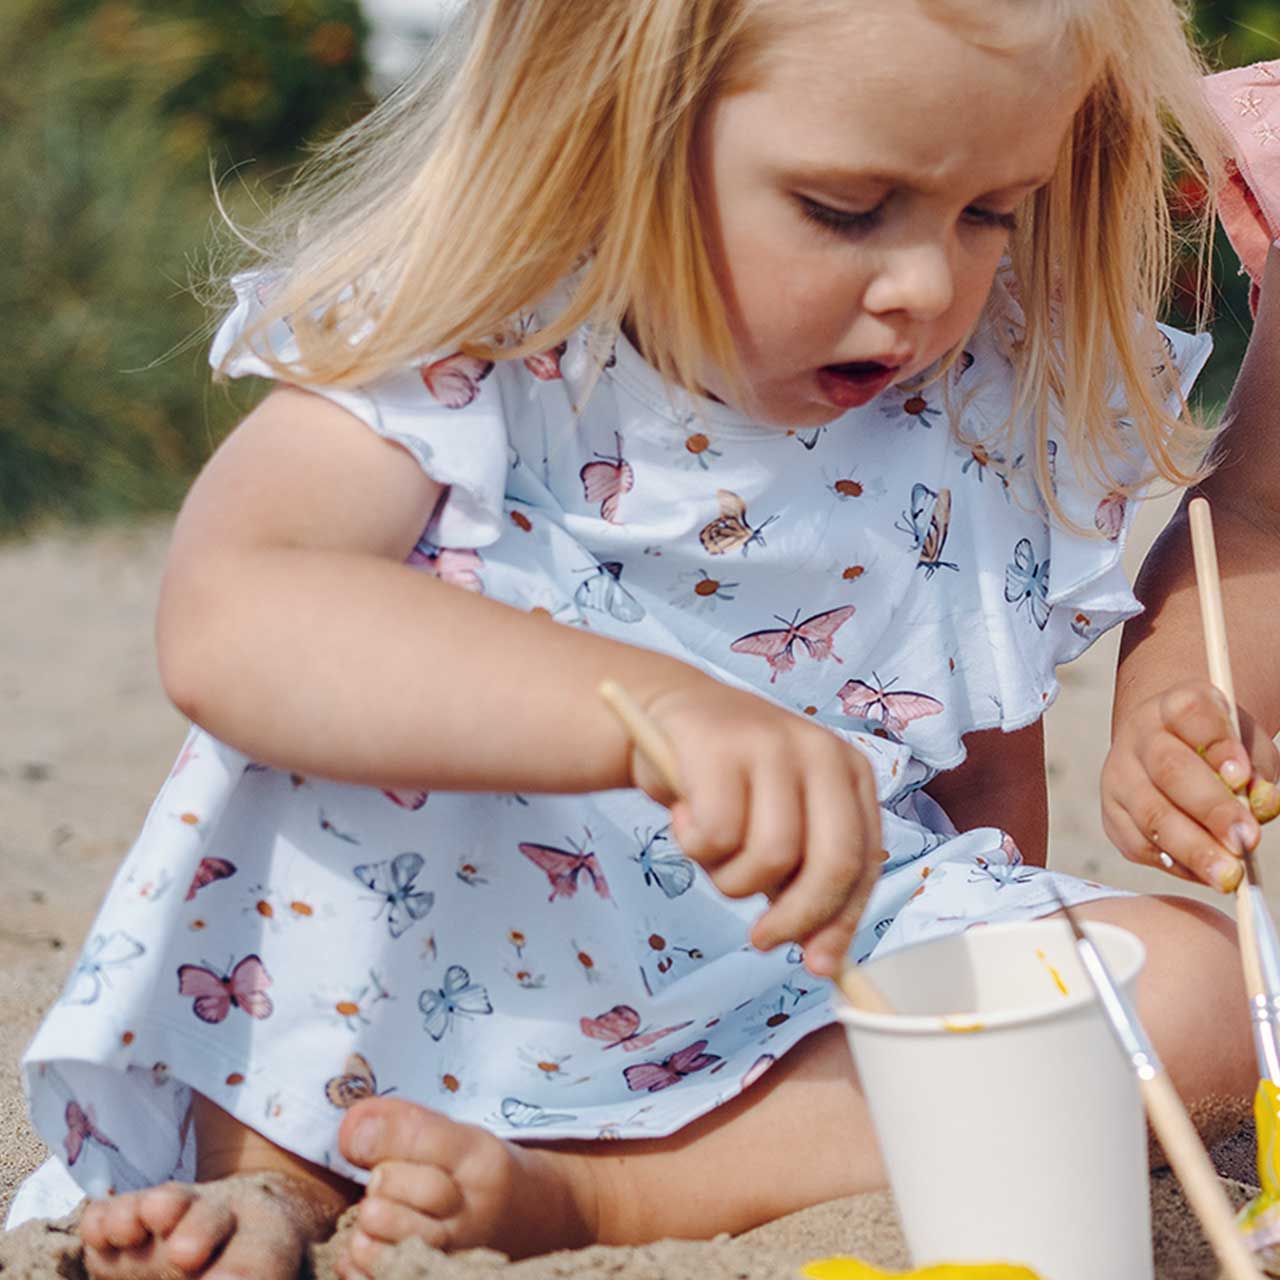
{"x":782,"y":362}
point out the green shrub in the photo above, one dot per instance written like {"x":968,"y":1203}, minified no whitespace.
{"x":111,"y":115}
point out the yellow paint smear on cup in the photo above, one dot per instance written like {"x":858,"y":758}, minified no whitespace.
{"x":855,"y":1269}
{"x":1053,"y":973}
{"x":961,"y":1027}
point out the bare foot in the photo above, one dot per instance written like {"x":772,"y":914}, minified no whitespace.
{"x":253,"y":1227}
{"x":456,"y":1186}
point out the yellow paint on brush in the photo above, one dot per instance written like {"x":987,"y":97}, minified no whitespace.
{"x":1258,"y":1219}
{"x":1053,"y":973}
{"x":855,"y":1269}
{"x":962,"y":1028}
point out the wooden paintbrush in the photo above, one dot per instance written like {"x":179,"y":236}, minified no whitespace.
{"x":652,"y":743}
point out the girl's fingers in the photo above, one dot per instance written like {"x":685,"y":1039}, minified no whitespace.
{"x":1198,"y":714}
{"x":822,"y":893}
{"x":1190,"y":783}
{"x":775,"y":840}
{"x":1168,"y":829}
{"x":710,"y":823}
{"x":1264,"y":794}
{"x":1123,"y":832}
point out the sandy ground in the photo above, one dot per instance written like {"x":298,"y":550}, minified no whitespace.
{"x":87,"y":736}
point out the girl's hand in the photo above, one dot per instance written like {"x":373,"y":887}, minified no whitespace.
{"x":772,"y":804}
{"x":1174,"y":781}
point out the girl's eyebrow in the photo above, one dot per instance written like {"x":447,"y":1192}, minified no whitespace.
{"x":838,"y":176}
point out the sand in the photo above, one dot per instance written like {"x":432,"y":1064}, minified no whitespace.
{"x":86,"y":738}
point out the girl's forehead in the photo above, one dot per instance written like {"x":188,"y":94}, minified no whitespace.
{"x":884,"y":86}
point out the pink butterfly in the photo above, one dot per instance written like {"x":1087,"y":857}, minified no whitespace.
{"x":455,"y":380}
{"x":607,"y":480}
{"x":1109,"y":517}
{"x":545,"y":365}
{"x":458,"y":566}
{"x":653,"y":1076}
{"x":80,"y":1128}
{"x":209,"y":871}
{"x":563,"y":869}
{"x":893,"y":710}
{"x":245,"y":987}
{"x":776,"y":646}
{"x":406,"y":798}
{"x":187,"y":754}
{"x":621,"y":1026}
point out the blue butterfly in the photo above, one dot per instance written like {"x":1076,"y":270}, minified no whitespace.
{"x":103,"y":951}
{"x":672,"y":872}
{"x":528,"y":1115}
{"x":928,"y":523}
{"x":604,"y":592}
{"x":458,"y":995}
{"x":392,"y":880}
{"x":1026,"y":582}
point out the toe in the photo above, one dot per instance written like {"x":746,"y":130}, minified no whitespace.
{"x":364,"y":1252}
{"x":93,"y":1224}
{"x":162,"y":1208}
{"x":390,"y":1222}
{"x":203,"y":1230}
{"x":426,"y":1188}
{"x":381,"y":1129}
{"x":122,"y":1223}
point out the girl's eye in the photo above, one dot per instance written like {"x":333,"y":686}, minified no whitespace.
{"x":989,"y":218}
{"x":841,"y":221}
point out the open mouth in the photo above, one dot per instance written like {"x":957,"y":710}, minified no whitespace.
{"x":848,"y":385}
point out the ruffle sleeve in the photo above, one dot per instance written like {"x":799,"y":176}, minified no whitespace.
{"x":1246,"y":101}
{"x":1012,"y":592}
{"x":448,"y":413}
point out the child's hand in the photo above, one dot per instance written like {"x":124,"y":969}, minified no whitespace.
{"x":772,"y":804}
{"x":1174,"y":780}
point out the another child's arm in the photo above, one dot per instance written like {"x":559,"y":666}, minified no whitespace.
{"x":1162,"y":784}
{"x":290,"y":628}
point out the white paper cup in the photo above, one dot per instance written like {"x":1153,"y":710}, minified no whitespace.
{"x":1010,"y":1122}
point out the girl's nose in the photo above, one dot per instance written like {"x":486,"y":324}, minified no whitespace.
{"x":915,"y":279}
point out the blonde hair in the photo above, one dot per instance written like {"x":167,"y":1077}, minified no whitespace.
{"x":549,"y":140}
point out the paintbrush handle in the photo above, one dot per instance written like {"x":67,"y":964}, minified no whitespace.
{"x":1214,"y":622}
{"x":656,"y":748}
{"x":1195,"y":1171}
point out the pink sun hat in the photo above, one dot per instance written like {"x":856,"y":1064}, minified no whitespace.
{"x":1246,"y":101}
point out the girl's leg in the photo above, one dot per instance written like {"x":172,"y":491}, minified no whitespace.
{"x":250,"y":1215}
{"x":800,"y":1136}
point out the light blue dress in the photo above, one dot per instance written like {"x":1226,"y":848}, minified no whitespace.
{"x":552,"y":966}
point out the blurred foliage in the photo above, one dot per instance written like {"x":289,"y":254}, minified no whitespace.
{"x":112,"y":113}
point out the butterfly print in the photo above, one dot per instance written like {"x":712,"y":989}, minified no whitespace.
{"x":528,"y":1115}
{"x":606,"y":480}
{"x":101,"y":952}
{"x":245,"y":987}
{"x":671,"y":871}
{"x":455,"y":380}
{"x":757,"y":1069}
{"x":810,"y":438}
{"x":893,"y":710}
{"x":730,"y":530}
{"x":654,"y":1076}
{"x":80,"y":1129}
{"x":1109,"y":517}
{"x":545,"y":365}
{"x":563,"y":868}
{"x":406,"y":797}
{"x":458,"y":997}
{"x":928,"y":522}
{"x":1026,"y":582}
{"x":356,"y":1083}
{"x":208,"y":872}
{"x":621,"y":1026}
{"x":458,"y":566}
{"x":604,"y":592}
{"x":776,"y":646}
{"x":393,"y":881}
{"x":326,"y":825}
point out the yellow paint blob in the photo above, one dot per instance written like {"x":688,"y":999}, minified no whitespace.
{"x":1053,"y":973}
{"x":1257,"y":1220}
{"x":855,"y":1269}
{"x":957,"y":1027}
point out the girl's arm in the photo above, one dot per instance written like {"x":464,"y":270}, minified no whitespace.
{"x":290,"y":628}
{"x":1157,"y":791}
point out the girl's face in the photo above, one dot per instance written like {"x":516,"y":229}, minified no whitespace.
{"x":858,"y":197}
